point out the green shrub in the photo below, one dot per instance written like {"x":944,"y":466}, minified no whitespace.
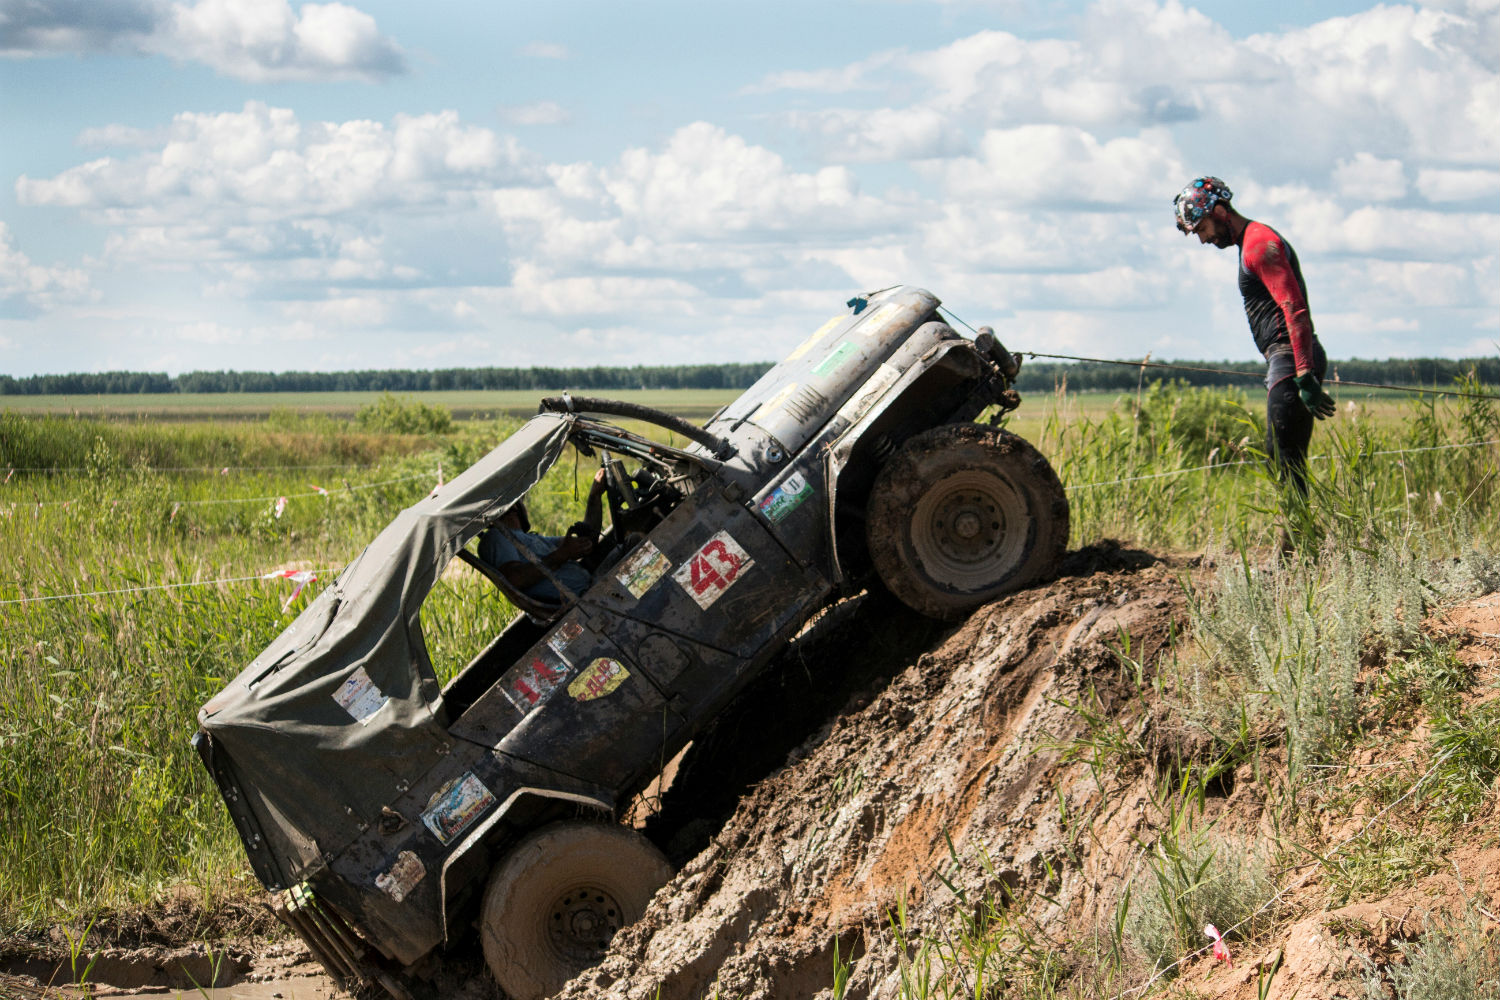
{"x":392,"y":414}
{"x":1467,"y":750}
{"x":1197,"y":422}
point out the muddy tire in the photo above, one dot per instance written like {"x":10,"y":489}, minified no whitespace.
{"x":962,"y":514}
{"x":555,"y":901}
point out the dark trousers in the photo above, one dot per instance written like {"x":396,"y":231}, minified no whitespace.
{"x":1289,"y":424}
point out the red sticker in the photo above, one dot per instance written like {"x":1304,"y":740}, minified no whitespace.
{"x":713,"y":569}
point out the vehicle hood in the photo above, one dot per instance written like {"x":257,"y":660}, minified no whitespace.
{"x":335,"y":717}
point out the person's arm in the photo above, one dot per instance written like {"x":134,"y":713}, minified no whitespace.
{"x":525,"y":575}
{"x":1265,"y":257}
{"x":593,"y":510}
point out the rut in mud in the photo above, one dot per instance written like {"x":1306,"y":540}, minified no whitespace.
{"x":954,"y":754}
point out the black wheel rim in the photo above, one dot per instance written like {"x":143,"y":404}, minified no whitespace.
{"x":581,"y":922}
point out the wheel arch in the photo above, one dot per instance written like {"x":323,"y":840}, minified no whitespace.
{"x":524,"y":810}
{"x":949,"y":384}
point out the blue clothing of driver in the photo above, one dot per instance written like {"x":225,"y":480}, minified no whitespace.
{"x":497,"y":550}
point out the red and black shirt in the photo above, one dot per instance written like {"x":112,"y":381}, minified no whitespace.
{"x":1275,"y":294}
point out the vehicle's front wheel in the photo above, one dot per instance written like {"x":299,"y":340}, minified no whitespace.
{"x":962,"y":514}
{"x":556,"y":900}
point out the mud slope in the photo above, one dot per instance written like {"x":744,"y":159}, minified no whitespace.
{"x":960,"y":744}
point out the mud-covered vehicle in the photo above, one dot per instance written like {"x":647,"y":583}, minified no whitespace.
{"x":390,"y":817}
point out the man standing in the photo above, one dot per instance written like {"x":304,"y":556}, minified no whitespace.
{"x":1276,"y":306}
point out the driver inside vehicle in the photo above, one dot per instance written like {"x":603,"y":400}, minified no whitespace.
{"x":560,"y":555}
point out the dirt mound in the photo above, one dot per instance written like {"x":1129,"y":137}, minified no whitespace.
{"x":957,"y":754}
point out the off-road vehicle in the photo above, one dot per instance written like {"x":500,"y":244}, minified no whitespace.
{"x":390,"y":817}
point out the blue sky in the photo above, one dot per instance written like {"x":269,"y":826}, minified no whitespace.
{"x":264,"y":184}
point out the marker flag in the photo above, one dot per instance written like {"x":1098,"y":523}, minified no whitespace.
{"x":301,"y":577}
{"x":320,"y":489}
{"x":1221,"y":950}
{"x":280,"y":506}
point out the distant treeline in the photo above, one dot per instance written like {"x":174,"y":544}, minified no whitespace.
{"x":1035,"y":376}
{"x":738,"y":376}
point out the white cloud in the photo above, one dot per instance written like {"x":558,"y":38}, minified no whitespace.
{"x":1064,"y":166}
{"x":1439,"y":185}
{"x":256,"y":40}
{"x":1394,"y":81}
{"x":1369,"y":178}
{"x":263,"y":163}
{"x":707,"y":182}
{"x":536,"y":113}
{"x":29,"y":286}
{"x":544,"y":50}
{"x":352,"y":312}
{"x":883,"y":135}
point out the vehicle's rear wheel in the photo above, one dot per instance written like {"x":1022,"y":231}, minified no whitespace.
{"x":962,"y":514}
{"x":555,"y":901}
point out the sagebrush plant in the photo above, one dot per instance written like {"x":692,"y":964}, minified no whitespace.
{"x":1283,"y":643}
{"x":1190,"y":878}
{"x":1458,"y":958}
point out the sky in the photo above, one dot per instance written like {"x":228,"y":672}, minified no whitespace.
{"x":272,"y":185}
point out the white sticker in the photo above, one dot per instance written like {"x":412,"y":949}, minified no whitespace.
{"x":640,"y":572}
{"x":562,"y":637}
{"x":403,"y":876}
{"x":456,"y":806}
{"x":713,"y":569}
{"x":359,"y":696}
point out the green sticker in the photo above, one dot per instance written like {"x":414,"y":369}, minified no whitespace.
{"x":836,"y":358}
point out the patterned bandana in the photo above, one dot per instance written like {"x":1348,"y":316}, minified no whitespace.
{"x":1197,"y":200}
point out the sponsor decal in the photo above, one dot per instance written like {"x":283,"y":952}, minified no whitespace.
{"x":785,"y":498}
{"x":359,"y":696}
{"x":531,"y":683}
{"x":875,"y":324}
{"x":822,"y":332}
{"x":455,"y":807}
{"x":713,"y":569}
{"x":598,"y":679}
{"x":563,"y":637}
{"x":404,"y":874}
{"x":640,"y":572}
{"x":836,"y":358}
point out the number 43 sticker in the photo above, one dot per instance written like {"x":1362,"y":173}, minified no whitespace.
{"x":712,"y":569}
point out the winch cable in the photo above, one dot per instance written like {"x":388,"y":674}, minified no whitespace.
{"x":1145,"y":363}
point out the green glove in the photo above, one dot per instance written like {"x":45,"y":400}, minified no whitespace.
{"x":1313,"y":397}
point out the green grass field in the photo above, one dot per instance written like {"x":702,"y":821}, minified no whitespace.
{"x":131,"y":576}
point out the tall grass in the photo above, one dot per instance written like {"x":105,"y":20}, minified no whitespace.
{"x":102,"y":803}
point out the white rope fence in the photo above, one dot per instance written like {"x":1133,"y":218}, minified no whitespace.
{"x":313,"y":574}
{"x":1247,"y":461}
{"x":316,"y":491}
